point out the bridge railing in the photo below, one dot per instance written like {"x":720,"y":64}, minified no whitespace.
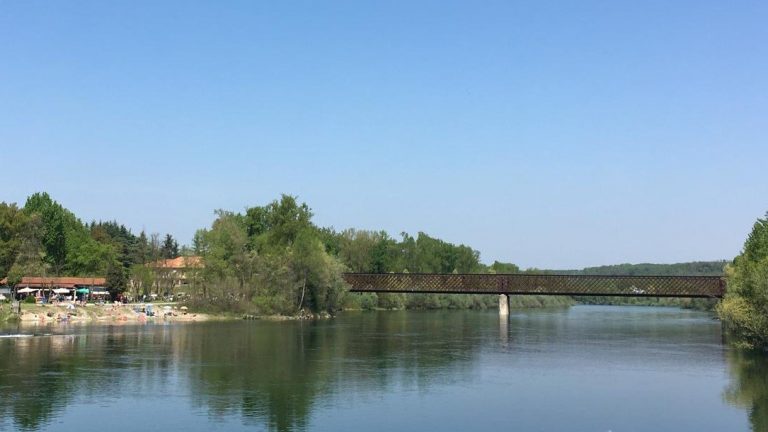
{"x":539,"y":284}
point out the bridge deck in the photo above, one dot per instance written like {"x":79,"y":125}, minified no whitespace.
{"x":539,"y":284}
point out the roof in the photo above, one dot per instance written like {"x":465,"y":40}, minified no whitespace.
{"x":179,"y":263}
{"x":63,"y":282}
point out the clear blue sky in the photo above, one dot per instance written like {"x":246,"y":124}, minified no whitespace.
{"x":548,"y":134}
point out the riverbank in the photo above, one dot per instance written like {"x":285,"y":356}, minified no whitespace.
{"x":91,"y":313}
{"x":108,"y":313}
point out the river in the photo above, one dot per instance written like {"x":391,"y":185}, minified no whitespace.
{"x":585,"y":368}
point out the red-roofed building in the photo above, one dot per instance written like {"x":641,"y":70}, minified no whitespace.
{"x":174,"y":273}
{"x":179,"y":263}
{"x":57,"y":282}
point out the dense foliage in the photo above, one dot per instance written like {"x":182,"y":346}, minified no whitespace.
{"x":273,"y":260}
{"x":45,"y":239}
{"x":270,"y":259}
{"x":745,"y":307}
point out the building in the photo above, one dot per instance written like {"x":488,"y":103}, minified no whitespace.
{"x":175,"y":273}
{"x":42,"y":286}
{"x":57,"y":282}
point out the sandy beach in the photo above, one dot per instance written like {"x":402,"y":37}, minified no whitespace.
{"x":64,"y":313}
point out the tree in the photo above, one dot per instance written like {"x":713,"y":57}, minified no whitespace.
{"x":142,"y":279}
{"x":224,"y":249}
{"x":30,"y":259}
{"x":170,"y":247}
{"x":154,"y":248}
{"x":277,"y":224}
{"x":316,"y":272}
{"x":745,"y":306}
{"x":13,"y":225}
{"x":500,"y":267}
{"x":53,"y":217}
{"x":72,"y":247}
{"x":356,"y":249}
{"x":116,"y":279}
{"x":141,"y":250}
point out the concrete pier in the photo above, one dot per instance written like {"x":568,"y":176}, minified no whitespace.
{"x":503,"y":305}
{"x":504,"y":330}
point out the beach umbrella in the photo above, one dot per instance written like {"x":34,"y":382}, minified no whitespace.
{"x":26,"y":290}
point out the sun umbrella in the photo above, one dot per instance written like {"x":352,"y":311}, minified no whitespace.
{"x":83,"y":291}
{"x":61,"y":291}
{"x":26,"y":290}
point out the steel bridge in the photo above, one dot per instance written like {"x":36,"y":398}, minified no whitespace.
{"x":538,"y":284}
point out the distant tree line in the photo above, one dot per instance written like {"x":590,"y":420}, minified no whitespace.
{"x":696,"y":268}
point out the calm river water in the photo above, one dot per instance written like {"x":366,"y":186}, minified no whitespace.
{"x":587,"y":368}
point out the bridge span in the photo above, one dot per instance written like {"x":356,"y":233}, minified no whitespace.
{"x":538,"y":284}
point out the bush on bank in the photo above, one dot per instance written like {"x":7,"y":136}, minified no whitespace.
{"x":744,"y":309}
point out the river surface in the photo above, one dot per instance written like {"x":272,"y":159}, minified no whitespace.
{"x":586,"y":368}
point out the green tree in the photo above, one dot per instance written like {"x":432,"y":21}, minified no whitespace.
{"x":278,"y":223}
{"x":140,"y":250}
{"x":30,"y":259}
{"x":745,"y":306}
{"x":117,"y":280}
{"x":13,"y":225}
{"x":229,"y":264}
{"x":318,"y":273}
{"x":54,"y":237}
{"x":356,"y":249}
{"x":500,"y":267}
{"x":87,"y":257}
{"x":170,"y":247}
{"x":142,"y":279}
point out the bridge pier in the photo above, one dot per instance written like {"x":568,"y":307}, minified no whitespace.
{"x":504,"y":330}
{"x":503,"y":305}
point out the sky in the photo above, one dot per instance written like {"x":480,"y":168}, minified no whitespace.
{"x":548,"y":134}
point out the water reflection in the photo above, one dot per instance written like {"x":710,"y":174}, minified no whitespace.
{"x":269,"y":374}
{"x":274,"y":373}
{"x":462,"y":369}
{"x":749,"y":386}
